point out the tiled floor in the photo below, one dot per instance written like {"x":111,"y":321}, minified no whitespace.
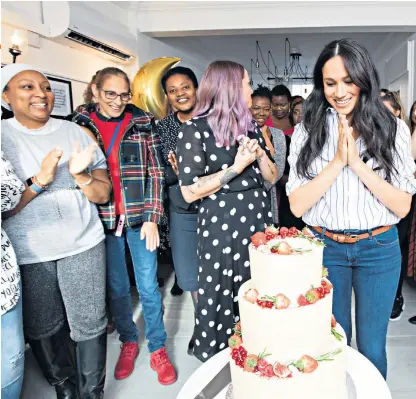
{"x":142,"y":384}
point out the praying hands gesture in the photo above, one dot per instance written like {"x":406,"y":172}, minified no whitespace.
{"x":347,"y":153}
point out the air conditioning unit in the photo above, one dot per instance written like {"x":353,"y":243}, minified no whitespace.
{"x":92,"y":29}
{"x":90,"y":42}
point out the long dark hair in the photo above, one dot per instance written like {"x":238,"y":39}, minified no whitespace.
{"x":371,"y":118}
{"x":412,"y":124}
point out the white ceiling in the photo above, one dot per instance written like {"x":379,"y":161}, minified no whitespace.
{"x":241,"y":48}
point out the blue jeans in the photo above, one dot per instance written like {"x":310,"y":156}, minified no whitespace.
{"x":372,"y":268}
{"x":145,"y":270}
{"x":12,"y":352}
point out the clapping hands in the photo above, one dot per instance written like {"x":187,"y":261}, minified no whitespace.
{"x":81,"y":159}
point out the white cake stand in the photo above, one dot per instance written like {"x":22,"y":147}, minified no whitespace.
{"x":364,"y":381}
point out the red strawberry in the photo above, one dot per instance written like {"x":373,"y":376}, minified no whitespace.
{"x":306,"y":232}
{"x":250,"y":363}
{"x":234,"y":341}
{"x":294,"y":231}
{"x":281,"y":301}
{"x":269,"y":371}
{"x":302,"y":301}
{"x":312,"y":295}
{"x":281,"y":371}
{"x":282,"y":248}
{"x":333,"y":321}
{"x":306,"y":364}
{"x":251,"y":295}
{"x":329,"y":285}
{"x":284,"y":232}
{"x":262,"y":365}
{"x":271,"y":232}
{"x":258,"y":239}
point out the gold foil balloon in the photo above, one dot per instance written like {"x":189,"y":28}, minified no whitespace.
{"x":147,"y":90}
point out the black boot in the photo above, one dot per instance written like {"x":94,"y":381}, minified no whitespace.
{"x":176,"y":290}
{"x":56,"y":358}
{"x":91,"y":361}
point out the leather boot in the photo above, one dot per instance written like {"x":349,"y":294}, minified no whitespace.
{"x":91,"y":358}
{"x":56,"y":358}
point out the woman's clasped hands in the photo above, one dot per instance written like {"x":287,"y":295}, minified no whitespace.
{"x":347,"y":153}
{"x":248,"y":151}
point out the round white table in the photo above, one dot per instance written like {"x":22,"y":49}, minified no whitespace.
{"x":367,"y":381}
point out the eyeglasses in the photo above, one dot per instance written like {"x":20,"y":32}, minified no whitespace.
{"x":112,"y":95}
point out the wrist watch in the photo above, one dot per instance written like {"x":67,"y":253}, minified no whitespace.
{"x":33,"y":186}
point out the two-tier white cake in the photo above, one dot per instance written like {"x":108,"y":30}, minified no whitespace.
{"x":287,"y":343}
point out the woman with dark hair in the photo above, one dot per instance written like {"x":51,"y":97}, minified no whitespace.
{"x":229,"y":179}
{"x":179,"y":85}
{"x":279,"y":117}
{"x":274,"y":138}
{"x":392,"y":101}
{"x":351,"y":180}
{"x":411,"y":265}
{"x":295,"y":114}
{"x":126,"y":134}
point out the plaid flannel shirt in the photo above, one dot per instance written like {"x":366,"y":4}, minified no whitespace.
{"x":141,"y":168}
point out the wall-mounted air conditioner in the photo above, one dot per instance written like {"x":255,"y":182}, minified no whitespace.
{"x":95,"y":44}
{"x":101,"y":27}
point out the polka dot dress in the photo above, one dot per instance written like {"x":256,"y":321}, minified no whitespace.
{"x":226,"y":220}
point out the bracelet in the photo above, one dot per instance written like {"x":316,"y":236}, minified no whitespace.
{"x":38,"y":183}
{"x":36,"y":188}
{"x":86,"y":183}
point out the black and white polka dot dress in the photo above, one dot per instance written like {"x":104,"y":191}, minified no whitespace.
{"x":226,"y":220}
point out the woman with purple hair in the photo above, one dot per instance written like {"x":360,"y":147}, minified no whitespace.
{"x":223,"y":161}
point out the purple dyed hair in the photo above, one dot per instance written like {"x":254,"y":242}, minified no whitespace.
{"x":220,"y":90}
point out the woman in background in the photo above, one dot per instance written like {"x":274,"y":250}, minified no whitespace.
{"x":179,"y":85}
{"x":228,"y":178}
{"x":296,"y":110}
{"x":411,"y":266}
{"x":348,"y":138}
{"x":274,"y":139}
{"x":393,"y":104}
{"x":279,"y":117}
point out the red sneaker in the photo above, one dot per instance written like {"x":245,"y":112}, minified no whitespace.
{"x":125,"y":364}
{"x":160,"y":362}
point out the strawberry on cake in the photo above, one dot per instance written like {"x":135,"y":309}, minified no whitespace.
{"x":287,"y":343}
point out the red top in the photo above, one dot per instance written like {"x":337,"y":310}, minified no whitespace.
{"x":287,"y":132}
{"x":106,"y":128}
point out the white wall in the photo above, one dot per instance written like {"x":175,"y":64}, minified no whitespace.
{"x":399,"y":71}
{"x":151,"y":48}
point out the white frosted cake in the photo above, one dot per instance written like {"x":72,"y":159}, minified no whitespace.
{"x":287,"y":344}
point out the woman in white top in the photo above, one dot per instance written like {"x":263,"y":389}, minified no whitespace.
{"x":57,"y":235}
{"x":351,"y":180}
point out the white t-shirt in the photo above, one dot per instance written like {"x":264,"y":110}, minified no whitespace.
{"x":60,"y":221}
